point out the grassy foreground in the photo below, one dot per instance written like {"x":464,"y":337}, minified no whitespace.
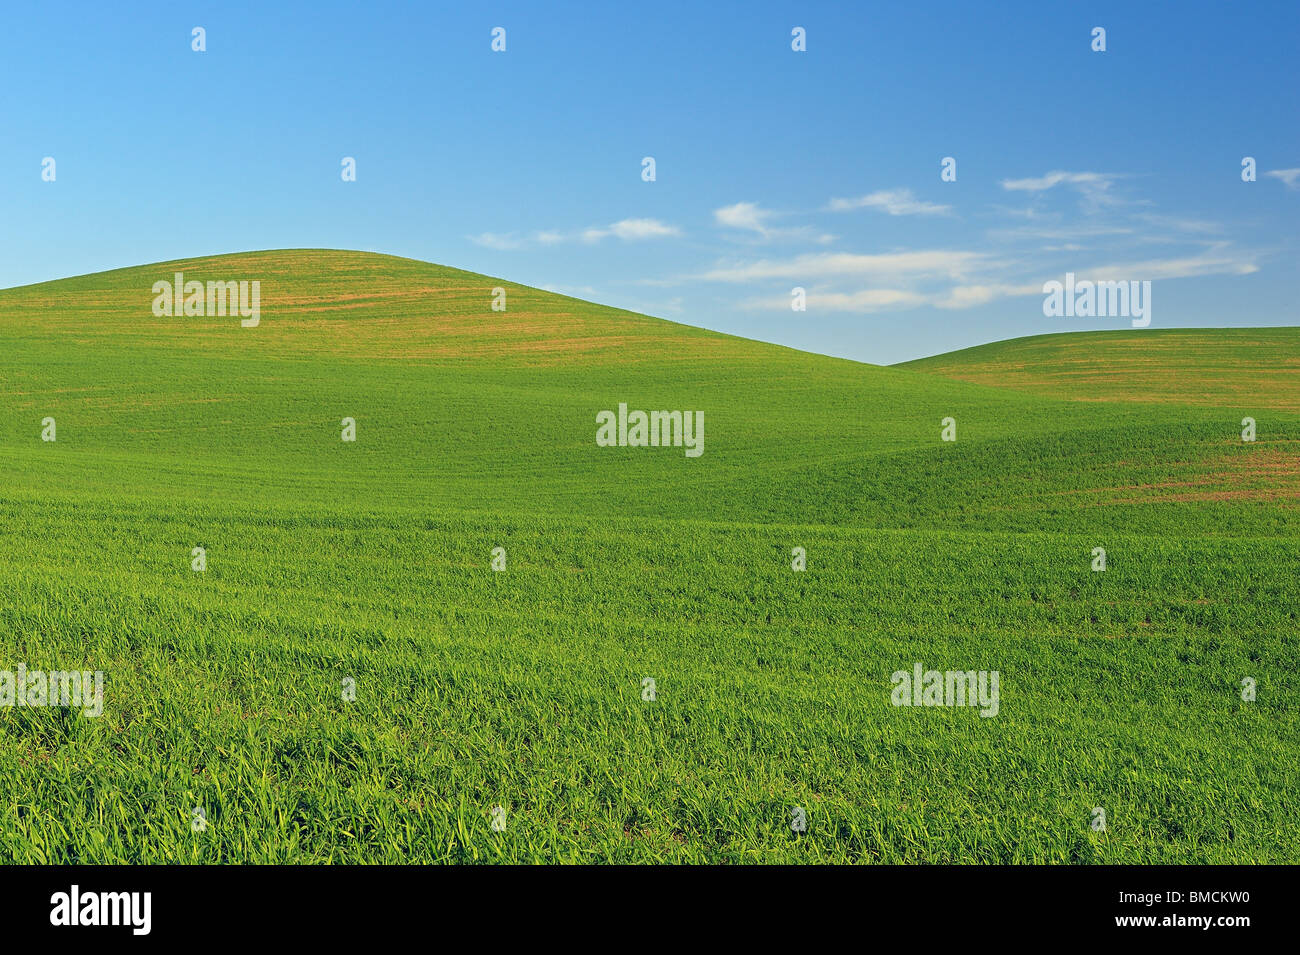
{"x":370,"y":561}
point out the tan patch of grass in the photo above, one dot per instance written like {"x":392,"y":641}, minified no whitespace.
{"x":1260,"y":474}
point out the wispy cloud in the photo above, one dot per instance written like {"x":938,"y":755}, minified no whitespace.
{"x":897,"y":202}
{"x":968,"y":296}
{"x":885,"y":299}
{"x":813,"y":265}
{"x":629,"y":230}
{"x":1042,"y":183}
{"x":865,"y":300}
{"x":743,"y":215}
{"x":942,"y":278}
{"x":752,"y":218}
{"x":1094,"y":187}
{"x":1060,"y":233}
{"x":497,"y":240}
{"x":1289,"y":176}
{"x":1213,"y":263}
{"x":1176,"y":228}
{"x":1037,"y":242}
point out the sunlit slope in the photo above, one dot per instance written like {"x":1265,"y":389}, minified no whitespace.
{"x":1222,"y":367}
{"x":459,"y":406}
{"x":370,"y":561}
{"x":358,"y":305}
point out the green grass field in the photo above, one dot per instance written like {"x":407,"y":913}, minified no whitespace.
{"x":371,"y":561}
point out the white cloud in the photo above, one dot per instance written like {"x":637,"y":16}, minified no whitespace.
{"x":1194,"y":227}
{"x":897,"y":202}
{"x":631,"y":230}
{"x":743,"y":215}
{"x":1061,"y":233}
{"x":968,"y":296}
{"x":1289,"y":176}
{"x":881,"y":299}
{"x":751,"y":217}
{"x":815,"y":265}
{"x":864,"y":300}
{"x":937,"y":277}
{"x":1093,"y":186}
{"x":1055,"y":179}
{"x":626,"y":229}
{"x":1184,"y":268}
{"x":497,"y":240}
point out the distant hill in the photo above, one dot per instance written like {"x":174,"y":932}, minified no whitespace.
{"x":1209,"y":366}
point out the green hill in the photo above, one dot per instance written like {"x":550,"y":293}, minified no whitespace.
{"x":1221,"y":367}
{"x":476,"y":429}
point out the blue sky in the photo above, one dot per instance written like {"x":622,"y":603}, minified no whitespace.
{"x":774,"y":168}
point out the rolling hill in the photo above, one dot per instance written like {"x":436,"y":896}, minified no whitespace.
{"x":370,"y":561}
{"x":1257,"y":367}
